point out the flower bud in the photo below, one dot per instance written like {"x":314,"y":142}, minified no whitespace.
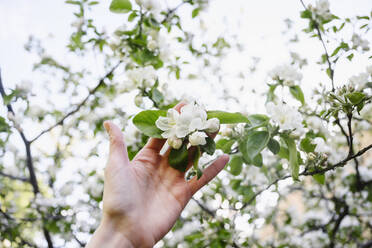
{"x":197,"y":138}
{"x":138,"y":100}
{"x":174,"y":143}
{"x":151,"y":45}
{"x":213,"y":125}
{"x":311,"y":156}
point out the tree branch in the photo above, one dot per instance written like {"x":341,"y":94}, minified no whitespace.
{"x":204,"y":208}
{"x":23,"y":179}
{"x":310,"y":173}
{"x":316,"y":26}
{"x":29,"y":162}
{"x":81,"y":104}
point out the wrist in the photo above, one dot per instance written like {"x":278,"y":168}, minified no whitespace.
{"x":110,"y":233}
{"x":108,"y":236}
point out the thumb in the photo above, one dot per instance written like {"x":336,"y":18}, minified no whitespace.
{"x":118,"y":149}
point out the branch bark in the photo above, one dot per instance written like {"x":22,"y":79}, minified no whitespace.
{"x":29,"y":162}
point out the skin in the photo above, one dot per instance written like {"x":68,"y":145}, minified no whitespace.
{"x":144,"y":197}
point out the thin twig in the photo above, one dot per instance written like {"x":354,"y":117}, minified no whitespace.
{"x":81,"y":104}
{"x":316,"y":26}
{"x":204,"y":208}
{"x":309,"y":173}
{"x":23,"y":179}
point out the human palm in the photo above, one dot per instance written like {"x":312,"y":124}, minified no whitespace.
{"x":144,"y":197}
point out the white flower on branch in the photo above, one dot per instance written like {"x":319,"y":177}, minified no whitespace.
{"x":153,"y":6}
{"x":198,"y":138}
{"x":286,"y":116}
{"x":286,"y":73}
{"x":192,"y":119}
{"x":212,"y":125}
{"x":322,"y":9}
{"x":141,"y":76}
{"x":369,"y":69}
{"x":360,"y":80}
{"x":174,"y":142}
{"x":359,"y":42}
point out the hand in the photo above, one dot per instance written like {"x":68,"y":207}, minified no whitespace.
{"x":144,"y":197}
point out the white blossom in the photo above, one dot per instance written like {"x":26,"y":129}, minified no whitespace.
{"x":174,"y":142}
{"x":141,"y":76}
{"x":287,"y":73}
{"x":198,"y":138}
{"x":322,"y":9}
{"x":321,"y":146}
{"x":369,"y":69}
{"x":168,"y":124}
{"x":212,"y":125}
{"x":360,"y":80}
{"x":286,"y":116}
{"x":153,"y":6}
{"x":359,"y":42}
{"x":152,"y":45}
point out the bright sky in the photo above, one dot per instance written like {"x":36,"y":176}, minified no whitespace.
{"x":259,"y":26}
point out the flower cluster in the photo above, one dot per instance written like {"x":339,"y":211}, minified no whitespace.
{"x":359,"y":42}
{"x":286,"y":116}
{"x":321,"y":9}
{"x":360,"y":81}
{"x":286,"y":73}
{"x":141,"y":76}
{"x":191,"y":123}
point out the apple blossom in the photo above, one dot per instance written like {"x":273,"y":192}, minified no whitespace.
{"x":359,"y":42}
{"x":286,"y":116}
{"x":369,"y":69}
{"x":360,"y":80}
{"x":141,"y":76}
{"x":198,"y":138}
{"x":174,"y":142}
{"x":212,"y":125}
{"x":322,"y":9}
{"x":287,"y":73}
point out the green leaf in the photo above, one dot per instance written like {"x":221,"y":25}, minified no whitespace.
{"x":225,"y":145}
{"x":257,"y":161}
{"x":356,"y":97}
{"x":350,"y":57}
{"x":273,"y":146}
{"x":226,"y":117}
{"x":256,"y":142}
{"x":178,"y":158}
{"x":306,"y":14}
{"x":120,"y":6}
{"x":306,"y":145}
{"x":258,"y":120}
{"x":145,"y":122}
{"x":4,"y":127}
{"x":293,"y":159}
{"x":297,"y":93}
{"x":236,"y":165}
{"x":195,"y":12}
{"x":243,"y":150}
{"x":209,"y":147}
{"x":343,"y":46}
{"x":320,"y":178}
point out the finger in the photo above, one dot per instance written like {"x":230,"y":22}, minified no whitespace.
{"x":208,"y":174}
{"x":118,"y":149}
{"x":155,"y":143}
